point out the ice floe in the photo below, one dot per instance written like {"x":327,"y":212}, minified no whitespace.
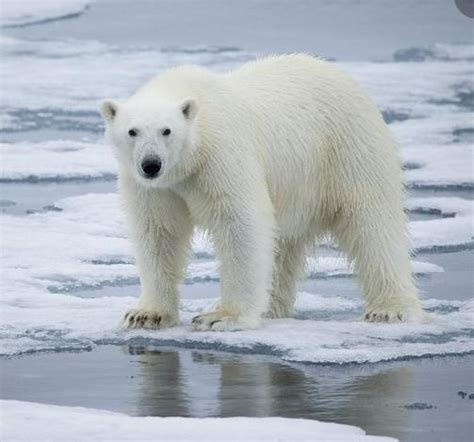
{"x":453,"y":232}
{"x":86,"y":72}
{"x":86,"y":243}
{"x":428,"y":104}
{"x":82,"y":244}
{"x":55,"y":160}
{"x":323,"y":330}
{"x":47,"y":256}
{"x":436,"y":167}
{"x":32,"y":421}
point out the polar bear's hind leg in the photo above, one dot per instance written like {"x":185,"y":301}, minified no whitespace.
{"x":376,"y":241}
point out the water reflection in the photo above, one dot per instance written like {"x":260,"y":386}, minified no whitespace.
{"x":195,"y":383}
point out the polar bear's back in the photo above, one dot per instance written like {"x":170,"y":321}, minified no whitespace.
{"x":310,"y":126}
{"x":320,"y":133}
{"x":299,"y":91}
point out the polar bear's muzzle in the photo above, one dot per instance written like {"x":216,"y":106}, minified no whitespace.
{"x":151,"y":166}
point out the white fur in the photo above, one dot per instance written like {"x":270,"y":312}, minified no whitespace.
{"x":267,"y":159}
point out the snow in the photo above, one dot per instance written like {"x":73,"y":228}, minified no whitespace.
{"x":86,"y":246}
{"x":325,"y":329}
{"x":452,"y":232}
{"x":24,"y":12}
{"x":111,"y":71}
{"x":56,"y":160}
{"x":428,"y":102}
{"x":453,"y":206}
{"x":49,"y":258}
{"x":445,"y":166}
{"x":54,"y":263}
{"x":28,"y":421}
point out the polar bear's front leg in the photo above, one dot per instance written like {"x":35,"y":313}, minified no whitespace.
{"x":161,"y":232}
{"x":289,"y":266}
{"x":244,"y":244}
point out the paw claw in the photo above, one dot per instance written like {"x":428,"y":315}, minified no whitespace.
{"x":394,"y":315}
{"x":197,"y":320}
{"x":219,"y":321}
{"x":148,"y":319}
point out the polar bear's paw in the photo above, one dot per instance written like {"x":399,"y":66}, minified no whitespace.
{"x":220,"y":321}
{"x":150,"y":319}
{"x":399,"y":314}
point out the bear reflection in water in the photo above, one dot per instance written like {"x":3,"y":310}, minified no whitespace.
{"x":202,"y":384}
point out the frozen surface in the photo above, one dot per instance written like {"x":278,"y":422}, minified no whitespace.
{"x":86,"y":246}
{"x":428,"y":104}
{"x":51,"y":131}
{"x":444,"y":166}
{"x":47,"y":257}
{"x":55,"y":160}
{"x":324,"y":329}
{"x":24,"y":12}
{"x":453,"y":231}
{"x":27,"y":421}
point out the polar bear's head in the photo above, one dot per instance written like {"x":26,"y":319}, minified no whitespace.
{"x":153,"y":142}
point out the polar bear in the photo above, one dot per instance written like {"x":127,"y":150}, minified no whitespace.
{"x":267,"y":159}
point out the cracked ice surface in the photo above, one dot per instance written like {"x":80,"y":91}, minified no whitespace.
{"x":429,"y":104}
{"x":46,"y":255}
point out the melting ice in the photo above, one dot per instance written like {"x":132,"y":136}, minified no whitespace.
{"x":47,"y":257}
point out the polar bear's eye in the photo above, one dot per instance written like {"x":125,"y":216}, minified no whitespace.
{"x":132,"y":132}
{"x":166,"y":131}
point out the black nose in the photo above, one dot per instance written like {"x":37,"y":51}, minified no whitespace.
{"x":151,"y":167}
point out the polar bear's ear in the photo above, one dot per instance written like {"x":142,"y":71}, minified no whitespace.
{"x":189,"y":108}
{"x":108,"y":109}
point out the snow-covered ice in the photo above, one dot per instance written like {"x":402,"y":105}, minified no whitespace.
{"x":325,"y":329}
{"x":453,"y":231}
{"x":51,"y":133}
{"x":449,"y":166}
{"x":28,"y":421}
{"x":427,"y":103}
{"x":111,"y":71}
{"x":48,"y":257}
{"x":55,"y":160}
{"x":86,"y":243}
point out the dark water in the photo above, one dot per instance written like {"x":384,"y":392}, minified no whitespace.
{"x":412,"y":401}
